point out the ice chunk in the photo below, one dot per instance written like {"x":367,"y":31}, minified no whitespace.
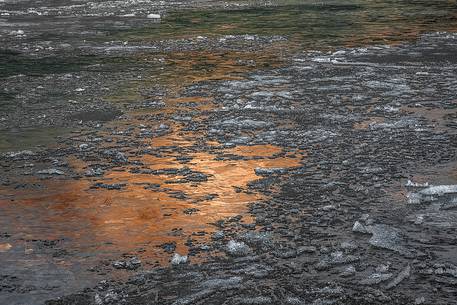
{"x":245,"y":124}
{"x":254,"y":300}
{"x":22,"y":153}
{"x":218,"y":235}
{"x":293,"y":301}
{"x":336,"y":258}
{"x":450,"y":205}
{"x":178,"y":259}
{"x":235,"y":248}
{"x":348,"y":271}
{"x":409,"y":183}
{"x":130,"y":264}
{"x":153,"y":16}
{"x":222,"y":283}
{"x":260,"y":239}
{"x":358,"y":227}
{"x":51,"y":171}
{"x":414,"y":198}
{"x":439,"y":190}
{"x":376,"y":278}
{"x":259,"y":171}
{"x":405,"y":273}
{"x":386,"y":237}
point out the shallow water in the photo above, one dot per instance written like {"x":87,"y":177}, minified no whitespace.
{"x":64,"y":229}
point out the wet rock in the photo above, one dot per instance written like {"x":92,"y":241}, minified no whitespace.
{"x":190,"y":211}
{"x":197,"y":177}
{"x":169,"y":247}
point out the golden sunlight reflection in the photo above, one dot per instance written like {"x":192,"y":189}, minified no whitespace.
{"x":138,"y":217}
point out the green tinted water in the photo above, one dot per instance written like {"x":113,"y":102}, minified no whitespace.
{"x":315,"y":24}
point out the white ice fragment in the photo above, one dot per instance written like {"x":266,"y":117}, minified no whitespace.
{"x":259,"y":171}
{"x":98,"y":299}
{"x":83,"y":146}
{"x":237,"y":248}
{"x":321,"y":59}
{"x":153,"y":16}
{"x":17,"y":32}
{"x":376,"y":278}
{"x":178,"y":259}
{"x":51,"y":171}
{"x":358,"y":227}
{"x":21,"y":153}
{"x":416,"y":184}
{"x":439,"y":190}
